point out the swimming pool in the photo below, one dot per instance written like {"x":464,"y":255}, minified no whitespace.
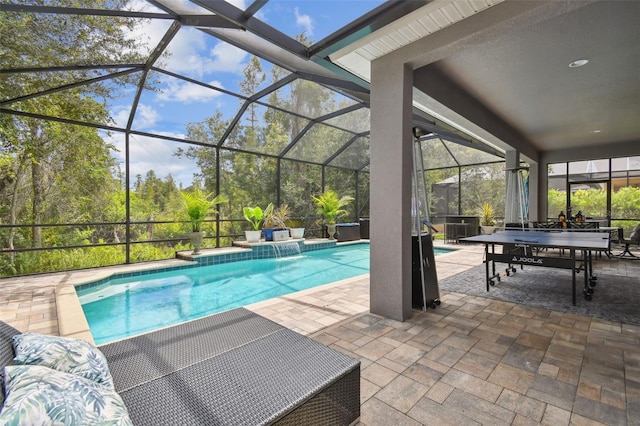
{"x":128,"y":306}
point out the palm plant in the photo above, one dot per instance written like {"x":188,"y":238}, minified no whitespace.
{"x":198,"y":205}
{"x":330,"y":205}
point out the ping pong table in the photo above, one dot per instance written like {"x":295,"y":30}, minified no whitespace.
{"x":518,"y":249}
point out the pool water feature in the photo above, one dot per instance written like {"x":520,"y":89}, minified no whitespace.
{"x":125,"y":307}
{"x":286,"y":249}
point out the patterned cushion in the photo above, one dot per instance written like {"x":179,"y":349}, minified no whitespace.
{"x":63,"y":354}
{"x":41,"y":396}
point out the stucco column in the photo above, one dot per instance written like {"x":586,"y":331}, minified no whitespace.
{"x":391,"y":170}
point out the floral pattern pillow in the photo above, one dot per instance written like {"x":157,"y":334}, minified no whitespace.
{"x":63,"y":354}
{"x":41,"y":396}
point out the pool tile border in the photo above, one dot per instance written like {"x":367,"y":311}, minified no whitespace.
{"x":258,"y":251}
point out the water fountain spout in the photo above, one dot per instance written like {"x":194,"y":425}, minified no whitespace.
{"x":286,"y":249}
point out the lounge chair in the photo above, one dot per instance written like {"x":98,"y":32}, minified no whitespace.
{"x":232,"y":368}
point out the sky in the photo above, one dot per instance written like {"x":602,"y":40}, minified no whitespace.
{"x":199,"y":56}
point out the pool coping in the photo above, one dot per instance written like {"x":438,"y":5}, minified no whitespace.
{"x":71,"y":319}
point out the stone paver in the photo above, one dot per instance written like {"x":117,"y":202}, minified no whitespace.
{"x":470,"y":361}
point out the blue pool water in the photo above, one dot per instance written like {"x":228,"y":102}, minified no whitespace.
{"x":128,"y":306}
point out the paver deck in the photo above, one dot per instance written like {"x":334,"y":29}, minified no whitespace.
{"x":471,"y":361}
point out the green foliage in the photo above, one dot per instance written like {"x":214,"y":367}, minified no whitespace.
{"x":556,"y":202}
{"x":330,"y":205}
{"x":199,"y":205}
{"x":255,"y":215}
{"x":89,"y":257}
{"x":342,"y":181}
{"x":479,"y":183}
{"x":299,"y":182}
{"x":592,"y":202}
{"x":64,"y":259}
{"x":625,"y":202}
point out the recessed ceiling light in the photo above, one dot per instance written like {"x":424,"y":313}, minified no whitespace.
{"x":578,"y":63}
{"x":596,"y":131}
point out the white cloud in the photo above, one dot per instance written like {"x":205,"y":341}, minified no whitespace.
{"x":227,"y":58}
{"x":120,"y":115}
{"x":149,"y":32}
{"x":185,"y":92}
{"x":240,"y":4}
{"x":189,"y":52}
{"x":148,"y":153}
{"x":191,"y":56}
{"x":141,"y":6}
{"x":304,"y":21}
{"x":146,"y":116}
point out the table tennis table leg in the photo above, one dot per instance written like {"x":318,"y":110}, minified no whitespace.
{"x":486,"y":264}
{"x":590,"y":280}
{"x":493,"y":262}
{"x":488,"y":257}
{"x":587,"y":289}
{"x":573,"y":277}
{"x":593,"y":280}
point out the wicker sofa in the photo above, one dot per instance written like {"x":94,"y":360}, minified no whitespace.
{"x":228,"y":369}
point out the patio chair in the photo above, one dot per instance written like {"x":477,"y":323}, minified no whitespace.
{"x":634,"y":239}
{"x":547,"y":225}
{"x":583,"y":225}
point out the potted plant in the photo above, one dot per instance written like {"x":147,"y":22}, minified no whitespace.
{"x":275,"y":221}
{"x":295,"y":228}
{"x":198,"y":205}
{"x":487,"y":219}
{"x":330,"y":207}
{"x":255,"y":216}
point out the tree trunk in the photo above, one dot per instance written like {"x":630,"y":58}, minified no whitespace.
{"x":38,"y":184}
{"x":152,"y":217}
{"x":13,"y":213}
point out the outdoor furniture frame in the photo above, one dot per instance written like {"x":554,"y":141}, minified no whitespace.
{"x":232,"y":368}
{"x":634,"y":239}
{"x":627,"y":251}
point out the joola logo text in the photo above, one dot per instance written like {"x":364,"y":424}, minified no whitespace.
{"x":537,"y":261}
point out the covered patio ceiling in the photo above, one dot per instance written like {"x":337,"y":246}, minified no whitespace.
{"x":505,"y":71}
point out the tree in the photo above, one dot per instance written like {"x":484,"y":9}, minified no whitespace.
{"x":59,"y":169}
{"x":254,"y":76}
{"x":625,"y":203}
